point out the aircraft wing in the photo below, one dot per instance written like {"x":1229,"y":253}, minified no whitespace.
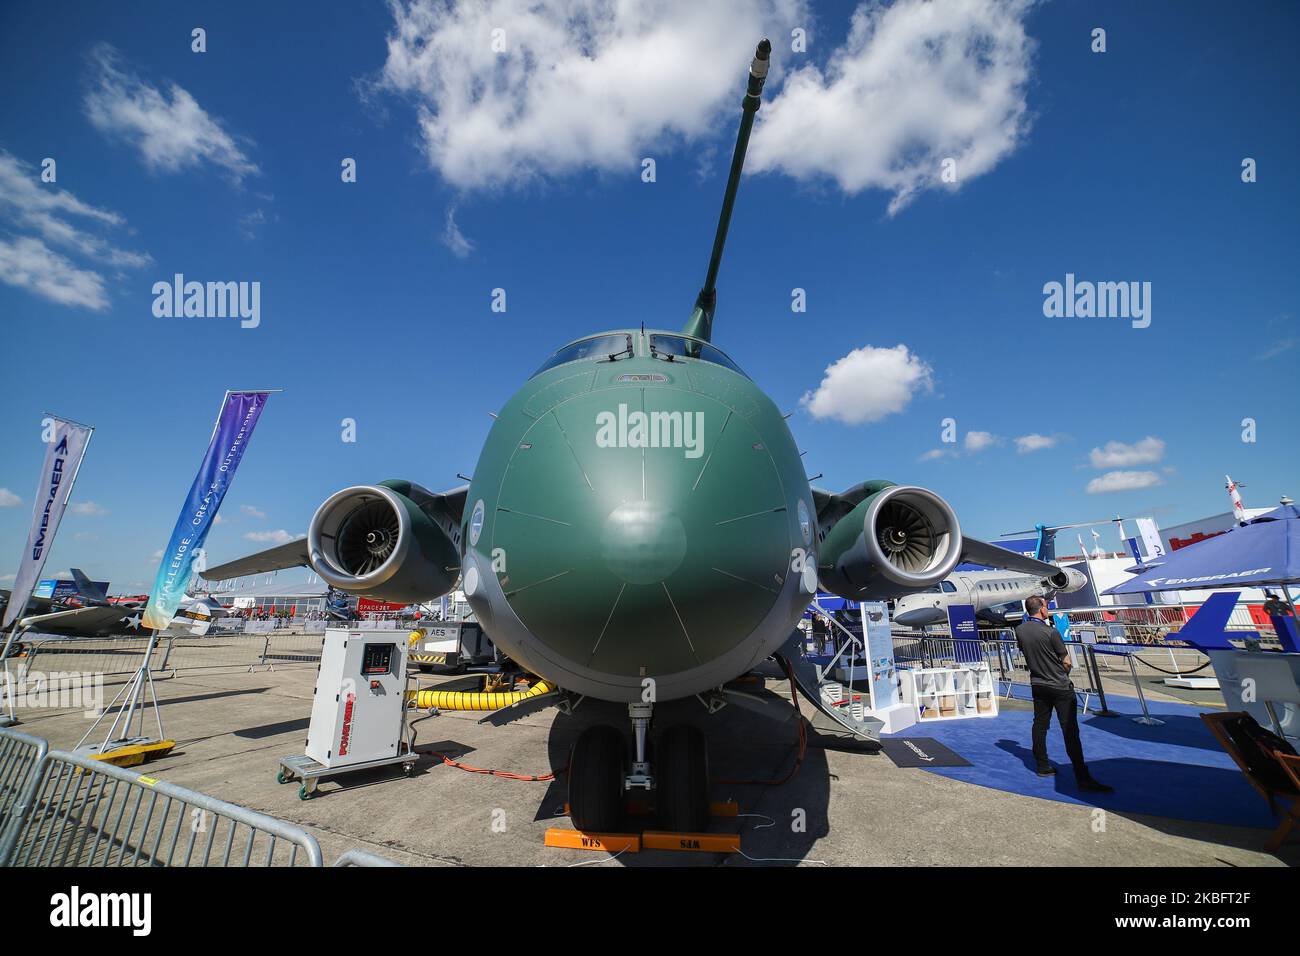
{"x":981,"y":552}
{"x":85,"y":620}
{"x":291,"y":555}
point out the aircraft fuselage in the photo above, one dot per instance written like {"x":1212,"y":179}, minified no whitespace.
{"x":639,"y":516}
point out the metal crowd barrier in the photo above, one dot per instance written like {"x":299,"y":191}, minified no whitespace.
{"x":290,"y":649}
{"x":20,"y":755}
{"x":89,"y":655}
{"x":76,"y":811}
{"x":121,"y":655}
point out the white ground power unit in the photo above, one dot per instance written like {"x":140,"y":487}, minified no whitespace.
{"x":357,"y":714}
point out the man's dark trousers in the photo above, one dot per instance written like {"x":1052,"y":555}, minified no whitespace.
{"x":1046,"y":699}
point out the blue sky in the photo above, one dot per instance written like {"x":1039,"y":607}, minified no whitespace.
{"x":1115,"y":166}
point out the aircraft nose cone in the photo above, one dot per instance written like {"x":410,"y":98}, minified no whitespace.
{"x":643,"y":542}
{"x":640,"y":552}
{"x":918,"y":616}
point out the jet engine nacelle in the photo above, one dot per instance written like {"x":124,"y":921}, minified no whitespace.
{"x":375,"y":541}
{"x":899,"y":539}
{"x":1067,"y":580}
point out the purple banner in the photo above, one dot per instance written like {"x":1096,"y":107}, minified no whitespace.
{"x":235,"y":424}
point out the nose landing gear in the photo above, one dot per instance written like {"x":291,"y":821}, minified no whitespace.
{"x":600,"y":777}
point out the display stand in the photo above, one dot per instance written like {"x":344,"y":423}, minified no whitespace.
{"x":953,"y":693}
{"x":884,"y":677}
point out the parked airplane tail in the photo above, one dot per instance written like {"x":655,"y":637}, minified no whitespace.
{"x":1238,"y":506}
{"x":88,"y":589}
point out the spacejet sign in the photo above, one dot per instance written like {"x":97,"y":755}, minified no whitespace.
{"x":638,"y":429}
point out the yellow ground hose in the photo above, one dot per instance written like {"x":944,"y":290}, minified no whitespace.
{"x":473,"y":700}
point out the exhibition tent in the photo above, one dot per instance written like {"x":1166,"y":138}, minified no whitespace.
{"x":1263,"y":552}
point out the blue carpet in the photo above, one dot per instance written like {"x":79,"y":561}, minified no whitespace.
{"x":1176,"y":770}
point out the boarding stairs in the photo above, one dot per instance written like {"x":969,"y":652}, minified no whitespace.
{"x":844,"y":705}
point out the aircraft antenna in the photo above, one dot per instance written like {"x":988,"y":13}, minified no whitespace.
{"x":700,"y":324}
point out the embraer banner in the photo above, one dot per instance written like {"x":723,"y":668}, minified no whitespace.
{"x":235,"y":424}
{"x":65,"y":445}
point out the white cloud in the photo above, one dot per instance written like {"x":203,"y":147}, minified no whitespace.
{"x":1116,"y":454}
{"x":46,"y":209}
{"x":170,"y":129}
{"x":580,"y":84}
{"x":157,"y":555}
{"x":1025,"y":444}
{"x":46,"y":214}
{"x":279,"y":536}
{"x":587,"y":84}
{"x":253,"y":512}
{"x":8,"y":499}
{"x":979,"y":441}
{"x":7,"y":577}
{"x":915,"y":83}
{"x":1277,"y":348}
{"x":30,"y":264}
{"x":453,"y":238}
{"x":88,"y":508}
{"x":934,"y":454}
{"x":1122,"y":481}
{"x":868,"y":384}
{"x":251,"y":222}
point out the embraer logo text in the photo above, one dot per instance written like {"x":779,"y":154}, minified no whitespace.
{"x":56,"y":476}
{"x":210,"y":300}
{"x":103,"y":909}
{"x":651,"y":430}
{"x":1102,"y":300}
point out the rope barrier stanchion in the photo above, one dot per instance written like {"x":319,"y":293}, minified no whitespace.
{"x":1090,"y":658}
{"x":1146,"y":719}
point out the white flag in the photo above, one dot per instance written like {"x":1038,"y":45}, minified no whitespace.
{"x":1151,"y":543}
{"x":63,"y":453}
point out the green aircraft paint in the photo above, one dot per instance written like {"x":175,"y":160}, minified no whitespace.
{"x":629,"y":550}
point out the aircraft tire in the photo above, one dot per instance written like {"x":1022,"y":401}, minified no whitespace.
{"x":596,"y":767}
{"x":682,"y":772}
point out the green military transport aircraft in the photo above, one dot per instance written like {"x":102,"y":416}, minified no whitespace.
{"x":639,"y":528}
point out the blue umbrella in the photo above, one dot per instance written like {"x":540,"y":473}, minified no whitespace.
{"x":1265,"y":551}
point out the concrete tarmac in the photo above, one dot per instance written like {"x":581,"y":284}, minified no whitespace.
{"x":847,"y":805}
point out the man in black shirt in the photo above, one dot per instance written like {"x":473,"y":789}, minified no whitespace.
{"x":1049,"y":679}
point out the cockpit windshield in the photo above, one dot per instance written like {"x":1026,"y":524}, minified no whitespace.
{"x":671,"y":347}
{"x":603,"y":347}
